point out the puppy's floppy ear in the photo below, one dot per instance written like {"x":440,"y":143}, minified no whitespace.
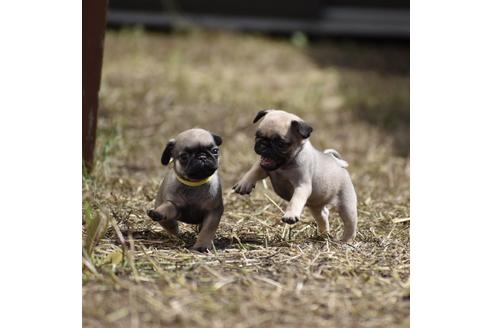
{"x":168,"y":151}
{"x":217,"y":139}
{"x":260,"y":114}
{"x":302,"y":128}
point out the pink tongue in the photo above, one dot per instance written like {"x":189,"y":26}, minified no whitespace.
{"x":266,"y":161}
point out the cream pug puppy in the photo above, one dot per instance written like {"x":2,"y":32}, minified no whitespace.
{"x":301,"y":174}
{"x":191,"y":192}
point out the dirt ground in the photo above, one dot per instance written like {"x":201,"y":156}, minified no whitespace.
{"x":262,"y":273}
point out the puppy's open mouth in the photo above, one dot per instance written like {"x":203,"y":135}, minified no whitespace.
{"x":267,"y":163}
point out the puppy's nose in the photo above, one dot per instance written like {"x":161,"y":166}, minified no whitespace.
{"x":202,"y":156}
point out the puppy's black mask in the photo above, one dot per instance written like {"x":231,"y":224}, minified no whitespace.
{"x":274,"y":152}
{"x":199,"y":162}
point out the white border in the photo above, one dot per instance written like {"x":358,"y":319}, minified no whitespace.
{"x":40,"y":135}
{"x":451,"y":92}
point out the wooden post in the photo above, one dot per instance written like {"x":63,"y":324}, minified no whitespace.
{"x":93,"y":27}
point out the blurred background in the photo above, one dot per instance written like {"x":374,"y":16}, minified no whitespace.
{"x":167,"y":66}
{"x":370,"y":18}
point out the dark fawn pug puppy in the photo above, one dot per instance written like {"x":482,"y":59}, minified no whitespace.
{"x":301,"y":174}
{"x":191,"y":192}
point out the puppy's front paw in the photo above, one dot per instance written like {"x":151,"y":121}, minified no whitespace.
{"x":201,"y":249}
{"x":290,"y":218}
{"x":243,"y":187}
{"x":155,"y":216}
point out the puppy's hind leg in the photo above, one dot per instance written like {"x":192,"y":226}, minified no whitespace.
{"x":207,"y":231}
{"x":166,"y":214}
{"x":171,"y":226}
{"x":348,"y":212}
{"x":320,"y":215}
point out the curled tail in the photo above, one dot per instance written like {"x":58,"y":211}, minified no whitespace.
{"x":340,"y":161}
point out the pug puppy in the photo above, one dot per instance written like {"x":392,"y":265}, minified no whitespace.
{"x":301,"y":174}
{"x":191,"y":192}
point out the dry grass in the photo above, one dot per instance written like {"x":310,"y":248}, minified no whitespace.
{"x":262,"y":272}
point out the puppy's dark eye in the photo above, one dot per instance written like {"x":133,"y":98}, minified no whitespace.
{"x":183,"y":157}
{"x":281,"y":143}
{"x":215,"y":151}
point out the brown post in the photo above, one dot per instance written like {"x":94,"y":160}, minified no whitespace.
{"x":93,"y":27}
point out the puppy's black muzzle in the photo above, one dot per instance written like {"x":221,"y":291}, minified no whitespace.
{"x":261,"y":146}
{"x":267,"y":148}
{"x":200,"y":166}
{"x":271,"y":157}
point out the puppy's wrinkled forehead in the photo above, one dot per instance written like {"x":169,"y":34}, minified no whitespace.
{"x":194,"y":138}
{"x":276,"y":123}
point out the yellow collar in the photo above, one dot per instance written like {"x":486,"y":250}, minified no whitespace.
{"x":190,"y":183}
